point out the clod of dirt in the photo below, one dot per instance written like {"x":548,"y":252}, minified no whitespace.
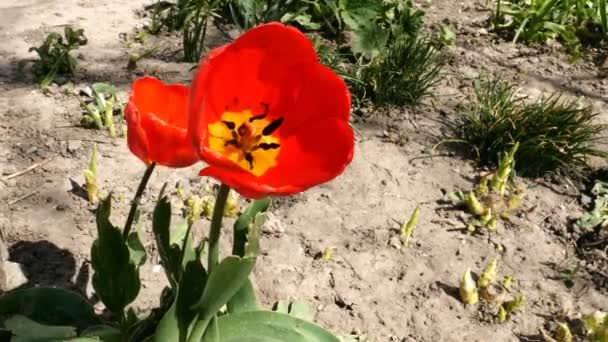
{"x":11,"y":275}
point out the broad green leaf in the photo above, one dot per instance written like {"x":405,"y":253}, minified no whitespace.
{"x":282,"y":306}
{"x":115,"y":277}
{"x":51,"y":306}
{"x":247,"y":230}
{"x":223,"y":283}
{"x":305,"y":20}
{"x":370,"y":40}
{"x":252,"y":247}
{"x":357,"y":14}
{"x":24,"y":327}
{"x":137,"y":252}
{"x":301,"y":309}
{"x":175,"y":324}
{"x":241,"y":225}
{"x":268,"y":326}
{"x":212,"y":333}
{"x":170,"y":242}
{"x":244,"y":300}
{"x":103,"y":333}
{"x":104,"y":89}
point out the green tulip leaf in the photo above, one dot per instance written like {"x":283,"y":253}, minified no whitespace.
{"x":176,"y":322}
{"x":102,"y":333}
{"x":241,"y":225}
{"x":244,"y":300}
{"x":212,"y":333}
{"x":49,"y":306}
{"x":223,"y":283}
{"x":116,"y":275}
{"x":268,"y":326}
{"x":247,"y":230}
{"x":24,"y":327}
{"x":161,"y":226}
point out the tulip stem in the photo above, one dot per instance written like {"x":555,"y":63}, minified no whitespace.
{"x":216,"y":227}
{"x":136,"y":199}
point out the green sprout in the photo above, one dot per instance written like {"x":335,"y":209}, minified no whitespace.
{"x":408,"y":228}
{"x":90,"y":178}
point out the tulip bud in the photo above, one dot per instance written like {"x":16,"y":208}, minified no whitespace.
{"x":563,"y":333}
{"x":194,"y":209}
{"x":468,"y":290}
{"x":473,"y":204}
{"x":90,"y":178}
{"x":489,"y":273}
{"x":596,"y":325}
{"x":502,"y":314}
{"x":516,"y":304}
{"x":230,"y":209}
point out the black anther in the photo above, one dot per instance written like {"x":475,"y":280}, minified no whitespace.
{"x":268,"y":130}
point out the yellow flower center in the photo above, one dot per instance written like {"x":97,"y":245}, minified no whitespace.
{"x":246,"y":140}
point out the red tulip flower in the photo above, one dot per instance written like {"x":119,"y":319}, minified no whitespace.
{"x":267,"y":117}
{"x":156,"y":118}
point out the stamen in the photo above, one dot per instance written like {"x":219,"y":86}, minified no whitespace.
{"x":257,"y":117}
{"x":249,"y":158}
{"x":232,"y":142}
{"x":268,"y":130}
{"x":267,"y":146}
{"x":229,"y":124}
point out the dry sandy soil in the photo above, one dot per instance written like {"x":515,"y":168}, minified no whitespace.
{"x":371,"y":285}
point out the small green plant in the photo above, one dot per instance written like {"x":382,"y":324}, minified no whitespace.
{"x":100,"y":111}
{"x":495,"y":196}
{"x":554,"y":135}
{"x":446,"y":35}
{"x":598,"y":215}
{"x":573,"y":22}
{"x":499,"y":299}
{"x":54,"y":55}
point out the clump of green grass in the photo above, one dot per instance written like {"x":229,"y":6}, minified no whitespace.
{"x":404,"y":74}
{"x":554,"y":135}
{"x":54,"y":55}
{"x":574,"y":22}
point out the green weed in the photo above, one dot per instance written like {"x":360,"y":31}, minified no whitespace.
{"x":574,"y":22}
{"x":189,"y":16}
{"x":54,"y":55}
{"x":249,"y":13}
{"x":554,"y":135}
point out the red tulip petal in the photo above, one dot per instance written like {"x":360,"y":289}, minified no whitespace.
{"x":156,"y":120}
{"x":313,"y":93}
{"x":137,"y":140}
{"x":168,"y":102}
{"x":316,"y":154}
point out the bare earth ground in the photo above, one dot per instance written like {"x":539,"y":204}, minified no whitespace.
{"x":370,"y":285}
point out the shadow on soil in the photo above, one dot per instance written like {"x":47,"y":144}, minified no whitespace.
{"x":45,"y":264}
